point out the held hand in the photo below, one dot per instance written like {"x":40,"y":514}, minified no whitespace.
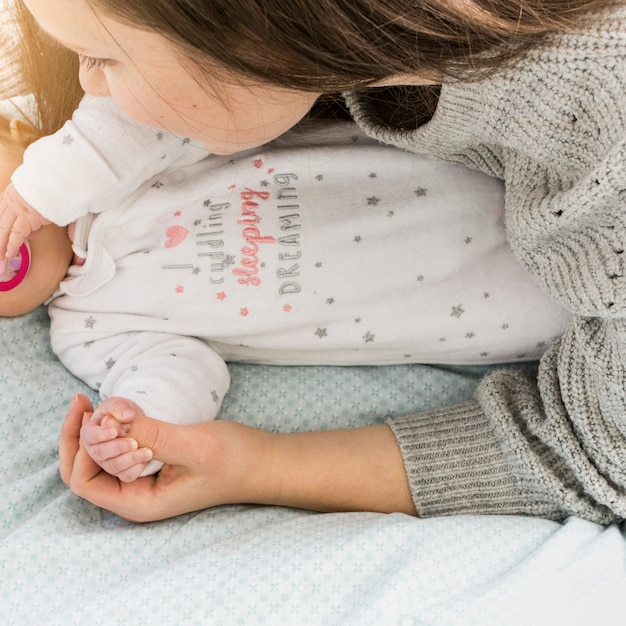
{"x":206,"y":465}
{"x":105,"y":439}
{"x":18,"y":220}
{"x":221,"y":462}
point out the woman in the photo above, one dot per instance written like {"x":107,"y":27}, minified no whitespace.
{"x":532,"y":92}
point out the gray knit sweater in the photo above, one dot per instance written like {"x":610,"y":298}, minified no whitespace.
{"x":554,"y":128}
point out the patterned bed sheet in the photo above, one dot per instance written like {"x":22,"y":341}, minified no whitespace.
{"x":64,"y":561}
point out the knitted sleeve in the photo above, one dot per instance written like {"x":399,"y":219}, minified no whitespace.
{"x":554,"y":128}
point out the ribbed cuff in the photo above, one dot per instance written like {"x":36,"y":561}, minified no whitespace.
{"x":455,"y":467}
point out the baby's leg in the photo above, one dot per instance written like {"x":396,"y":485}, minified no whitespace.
{"x":105,"y":438}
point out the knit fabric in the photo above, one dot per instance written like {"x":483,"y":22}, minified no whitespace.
{"x":554,"y":128}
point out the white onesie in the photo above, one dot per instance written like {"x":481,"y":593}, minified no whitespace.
{"x":321,"y":248}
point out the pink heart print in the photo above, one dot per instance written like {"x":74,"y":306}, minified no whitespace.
{"x":176,"y":235}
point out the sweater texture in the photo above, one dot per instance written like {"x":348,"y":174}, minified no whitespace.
{"x":553,"y":127}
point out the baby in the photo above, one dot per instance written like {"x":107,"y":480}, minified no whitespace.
{"x":81,"y":169}
{"x":323,"y":247}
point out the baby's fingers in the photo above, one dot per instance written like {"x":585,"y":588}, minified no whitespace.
{"x":117,"y":455}
{"x":17,"y":236}
{"x":7,"y":220}
{"x":127,"y":466}
{"x":121,"y":409}
{"x":92,"y":432}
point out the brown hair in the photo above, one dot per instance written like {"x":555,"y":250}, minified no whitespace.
{"x":336,"y":45}
{"x":323,"y":46}
{"x":39,"y":66}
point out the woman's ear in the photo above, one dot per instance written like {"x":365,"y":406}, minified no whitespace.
{"x":22,"y":133}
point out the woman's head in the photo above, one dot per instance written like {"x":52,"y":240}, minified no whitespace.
{"x":237,"y":73}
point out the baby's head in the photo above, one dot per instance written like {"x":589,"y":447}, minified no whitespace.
{"x":50,"y":247}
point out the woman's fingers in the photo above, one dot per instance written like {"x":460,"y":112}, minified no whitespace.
{"x":80,"y":408}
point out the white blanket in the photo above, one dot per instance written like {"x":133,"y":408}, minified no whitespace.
{"x":64,"y":561}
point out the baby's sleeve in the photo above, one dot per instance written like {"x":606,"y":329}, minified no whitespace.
{"x":95,"y":160}
{"x":173,"y":378}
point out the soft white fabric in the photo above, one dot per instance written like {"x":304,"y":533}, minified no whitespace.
{"x":95,"y":160}
{"x":321,"y":249}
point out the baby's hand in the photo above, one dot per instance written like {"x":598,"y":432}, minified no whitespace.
{"x":18,"y":220}
{"x":105,"y":439}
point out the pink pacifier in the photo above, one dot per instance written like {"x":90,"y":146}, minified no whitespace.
{"x":13,"y":271}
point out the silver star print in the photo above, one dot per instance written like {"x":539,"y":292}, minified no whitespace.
{"x":90,"y":322}
{"x":110,"y":363}
{"x":373,"y":201}
{"x":215,"y":397}
{"x":321,"y":332}
{"x":369,"y":337}
{"x":68,"y":139}
{"x":421,"y":191}
{"x":457,"y":311}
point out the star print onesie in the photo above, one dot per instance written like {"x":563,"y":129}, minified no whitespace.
{"x":322,"y":248}
{"x":96,"y":159}
{"x":554,"y":129}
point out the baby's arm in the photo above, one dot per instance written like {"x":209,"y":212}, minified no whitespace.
{"x":173,"y":378}
{"x":95,"y":161}
{"x":18,"y":220}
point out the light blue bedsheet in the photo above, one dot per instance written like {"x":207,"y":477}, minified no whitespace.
{"x":65,"y":562}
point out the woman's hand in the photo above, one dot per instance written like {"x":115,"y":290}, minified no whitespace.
{"x":206,"y":465}
{"x":221,"y":462}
